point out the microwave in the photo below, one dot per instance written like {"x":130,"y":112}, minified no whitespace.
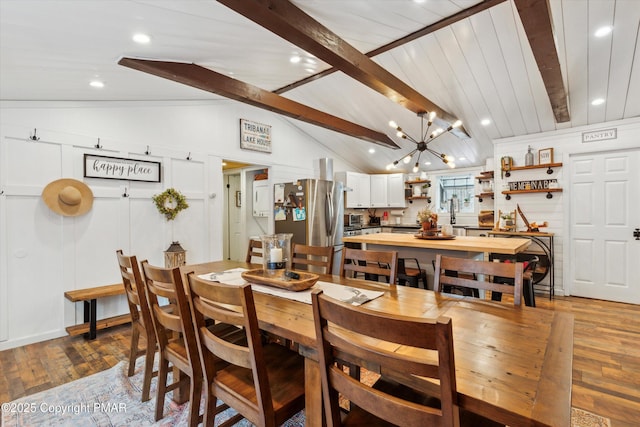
{"x":353,"y":220}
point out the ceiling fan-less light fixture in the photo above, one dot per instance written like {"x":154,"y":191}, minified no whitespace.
{"x":425,"y":140}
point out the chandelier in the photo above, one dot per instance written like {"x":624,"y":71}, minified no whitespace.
{"x":422,"y":145}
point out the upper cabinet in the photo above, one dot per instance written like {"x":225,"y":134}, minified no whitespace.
{"x":357,"y":187}
{"x":373,"y":191}
{"x":387,"y":191}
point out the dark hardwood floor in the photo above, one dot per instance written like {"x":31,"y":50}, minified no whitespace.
{"x":606,"y":359}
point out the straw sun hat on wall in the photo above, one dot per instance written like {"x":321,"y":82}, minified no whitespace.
{"x":68,"y":197}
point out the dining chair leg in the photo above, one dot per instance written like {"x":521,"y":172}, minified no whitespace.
{"x":163,"y":371}
{"x":133,"y":350}
{"x":148,"y":371}
{"x":195,"y":391}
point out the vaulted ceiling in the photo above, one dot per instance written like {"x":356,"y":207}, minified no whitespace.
{"x":523,"y":67}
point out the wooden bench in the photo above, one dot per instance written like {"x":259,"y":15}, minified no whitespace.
{"x":90,"y":296}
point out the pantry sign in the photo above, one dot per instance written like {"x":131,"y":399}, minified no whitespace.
{"x":255,"y":136}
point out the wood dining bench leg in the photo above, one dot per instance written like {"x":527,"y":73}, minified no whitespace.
{"x":89,"y":296}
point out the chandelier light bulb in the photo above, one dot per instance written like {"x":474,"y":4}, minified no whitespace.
{"x":400,"y":134}
{"x":393,"y":124}
{"x":432,"y":116}
{"x":436,"y":132}
{"x":407,"y":159}
{"x":451,"y":165}
{"x":416,"y":168}
{"x":456,"y":124}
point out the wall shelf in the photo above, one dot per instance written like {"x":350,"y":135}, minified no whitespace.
{"x":484,"y":196}
{"x":549,"y":167}
{"x":546,"y":190}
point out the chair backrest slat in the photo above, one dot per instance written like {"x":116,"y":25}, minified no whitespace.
{"x":381,"y":263}
{"x":479,"y":275}
{"x":313,"y":258}
{"x":254,"y":250}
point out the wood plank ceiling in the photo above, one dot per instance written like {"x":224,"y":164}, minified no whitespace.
{"x":474,"y":59}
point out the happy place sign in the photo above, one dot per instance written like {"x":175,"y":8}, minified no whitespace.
{"x":121,"y":168}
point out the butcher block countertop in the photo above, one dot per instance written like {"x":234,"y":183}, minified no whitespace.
{"x":500,"y":245}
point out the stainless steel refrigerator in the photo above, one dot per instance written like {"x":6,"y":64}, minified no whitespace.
{"x":312,"y":210}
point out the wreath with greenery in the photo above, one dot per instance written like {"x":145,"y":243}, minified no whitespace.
{"x":170,"y":202}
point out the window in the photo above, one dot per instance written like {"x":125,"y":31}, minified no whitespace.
{"x":456,"y":191}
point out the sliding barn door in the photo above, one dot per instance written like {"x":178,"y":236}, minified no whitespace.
{"x":604,"y":212}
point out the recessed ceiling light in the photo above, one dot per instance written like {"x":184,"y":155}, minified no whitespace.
{"x":603,"y":31}
{"x":141,"y":38}
{"x":597,"y":101}
{"x":294,"y":59}
{"x":372,"y":150}
{"x":462,"y":158}
{"x":310,"y":70}
{"x":485,"y":122}
{"x":310,"y":61}
{"x":96,"y":83}
{"x":427,"y":163}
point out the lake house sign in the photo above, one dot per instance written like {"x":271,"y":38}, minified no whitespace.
{"x":255,"y":136}
{"x":121,"y":168}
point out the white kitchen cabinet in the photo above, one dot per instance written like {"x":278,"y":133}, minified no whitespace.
{"x":379,"y":190}
{"x":387,"y":191}
{"x":395,"y":191}
{"x":261,"y":198}
{"x":357,"y":187}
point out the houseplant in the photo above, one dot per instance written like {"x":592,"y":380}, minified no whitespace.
{"x":427,"y":218}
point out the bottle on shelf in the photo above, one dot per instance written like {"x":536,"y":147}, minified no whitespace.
{"x":528,"y":158}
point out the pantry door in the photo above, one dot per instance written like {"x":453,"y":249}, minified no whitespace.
{"x":604,"y":212}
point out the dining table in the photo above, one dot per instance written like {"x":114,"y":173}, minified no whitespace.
{"x":513,"y":363}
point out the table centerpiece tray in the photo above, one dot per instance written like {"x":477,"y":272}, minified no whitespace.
{"x":305,"y":281}
{"x":434,"y":236}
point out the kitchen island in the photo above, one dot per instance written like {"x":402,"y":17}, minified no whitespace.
{"x":425,"y":251}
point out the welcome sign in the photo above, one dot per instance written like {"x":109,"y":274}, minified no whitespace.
{"x":121,"y":168}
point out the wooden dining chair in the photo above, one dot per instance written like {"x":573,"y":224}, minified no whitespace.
{"x":375,"y":263}
{"x":478,"y":275}
{"x":263,"y":383}
{"x":141,"y":322}
{"x":254,"y":250}
{"x":402,"y":396}
{"x":175,"y":334}
{"x":318,"y":259}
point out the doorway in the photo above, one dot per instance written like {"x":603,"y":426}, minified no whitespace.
{"x":239,"y":223}
{"x":603,"y":253}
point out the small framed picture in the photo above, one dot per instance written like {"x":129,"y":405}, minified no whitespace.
{"x":545,"y":156}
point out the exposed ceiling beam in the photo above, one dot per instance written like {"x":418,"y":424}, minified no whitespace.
{"x":445,"y":22}
{"x":536,"y":20}
{"x":291,"y":23}
{"x":203,"y":78}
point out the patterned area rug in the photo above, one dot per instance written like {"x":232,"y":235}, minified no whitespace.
{"x":110,"y":398}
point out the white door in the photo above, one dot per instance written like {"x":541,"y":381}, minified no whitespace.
{"x":604,"y":212}
{"x":234,"y":246}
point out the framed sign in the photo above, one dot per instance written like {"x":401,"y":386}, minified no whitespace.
{"x":120,"y":168}
{"x":255,"y":136}
{"x":545,"y":156}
